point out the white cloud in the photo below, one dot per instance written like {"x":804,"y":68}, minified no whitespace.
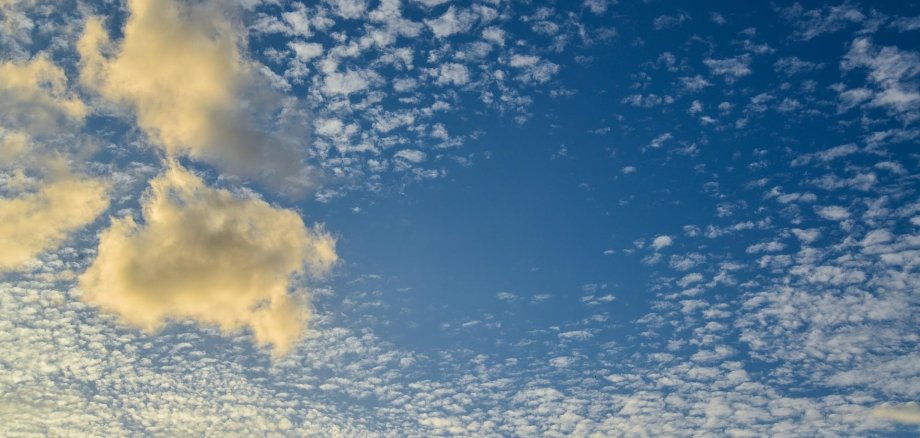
{"x":306,"y":51}
{"x":661,"y":242}
{"x":833,"y":212}
{"x":348,"y":8}
{"x":506,"y":296}
{"x":562,"y":361}
{"x":597,"y":7}
{"x":452,"y":73}
{"x":494,"y":35}
{"x":451,"y":22}
{"x":411,"y":155}
{"x":730,"y":68}
{"x":893,"y":71}
{"x":348,"y":82}
{"x":658,"y":141}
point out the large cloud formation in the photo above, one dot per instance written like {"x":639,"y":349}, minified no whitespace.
{"x":42,"y":200}
{"x":179,"y":68}
{"x":208,"y":256}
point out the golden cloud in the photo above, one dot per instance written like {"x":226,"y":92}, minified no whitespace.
{"x":34,"y":96}
{"x":208,"y":256}
{"x":44,"y":212}
{"x":41,"y":200}
{"x":179,"y":68}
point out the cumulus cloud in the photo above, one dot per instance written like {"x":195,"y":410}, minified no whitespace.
{"x":34,"y":96}
{"x":179,"y":68}
{"x":207,"y":256}
{"x":44,"y":210}
{"x":661,"y":242}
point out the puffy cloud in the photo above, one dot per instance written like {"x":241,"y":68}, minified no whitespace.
{"x":44,"y":211}
{"x":453,"y":73}
{"x":348,"y":8}
{"x":893,"y":71}
{"x":348,"y":82}
{"x":34,"y":96}
{"x":179,"y":68}
{"x":208,"y":256}
{"x":833,"y":212}
{"x":662,"y":242}
{"x":411,"y":155}
{"x":451,"y":22}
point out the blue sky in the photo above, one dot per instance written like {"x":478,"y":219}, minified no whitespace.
{"x":470,"y":218}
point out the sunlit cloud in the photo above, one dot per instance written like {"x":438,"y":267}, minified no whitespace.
{"x":206,"y":255}
{"x":42,"y":200}
{"x":179,"y":68}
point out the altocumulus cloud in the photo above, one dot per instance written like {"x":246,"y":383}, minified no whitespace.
{"x":179,"y":68}
{"x":208,"y":256}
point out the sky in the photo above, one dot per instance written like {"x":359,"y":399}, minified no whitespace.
{"x":485,"y":218}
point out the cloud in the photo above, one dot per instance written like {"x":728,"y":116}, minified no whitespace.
{"x":348,"y":8}
{"x":658,"y":141}
{"x":180,"y":70}
{"x":662,"y":242}
{"x":41,"y":200}
{"x":452,"y":73}
{"x":730,"y":68}
{"x":45,"y":210}
{"x":451,"y":22}
{"x":670,"y":21}
{"x":34,"y":96}
{"x":833,"y":212}
{"x":908,"y":413}
{"x":506,"y":296}
{"x":815,"y":22}
{"x":208,"y":256}
{"x":893,"y":71}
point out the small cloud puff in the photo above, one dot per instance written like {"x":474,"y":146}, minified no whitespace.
{"x":662,"y":242}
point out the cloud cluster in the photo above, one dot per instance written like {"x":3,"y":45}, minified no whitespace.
{"x":208,"y":256}
{"x":179,"y":68}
